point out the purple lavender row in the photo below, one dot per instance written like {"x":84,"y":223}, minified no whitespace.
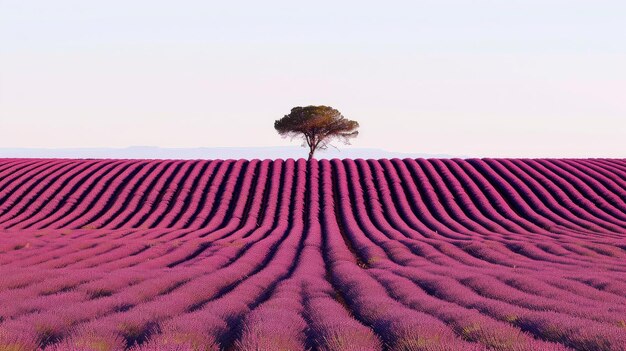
{"x":195,"y":291}
{"x":46,"y":194}
{"x":401,"y":328}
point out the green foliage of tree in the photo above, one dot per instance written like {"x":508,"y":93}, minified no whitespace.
{"x":317,"y":126}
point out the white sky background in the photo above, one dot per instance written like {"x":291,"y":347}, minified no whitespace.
{"x":515,"y":78}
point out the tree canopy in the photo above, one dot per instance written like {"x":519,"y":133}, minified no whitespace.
{"x":317,"y":125}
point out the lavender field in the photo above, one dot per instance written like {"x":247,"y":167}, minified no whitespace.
{"x":437,"y":254}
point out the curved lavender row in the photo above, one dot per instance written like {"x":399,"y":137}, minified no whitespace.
{"x":195,"y":290}
{"x":422,"y":180}
{"x":331,"y":325}
{"x":180,"y":195}
{"x":497,"y":202}
{"x":236,"y":198}
{"x":598,"y":179}
{"x":398,"y":326}
{"x":423,"y":173}
{"x":538,"y":193}
{"x":72,"y":201}
{"x":133,"y":196}
{"x":15,"y":177}
{"x":535,"y":197}
{"x":50,"y":200}
{"x":11,"y":165}
{"x":448,"y":200}
{"x":595,"y":192}
{"x":152,"y":197}
{"x":469,"y":204}
{"x":609,"y":180}
{"x":244,"y":217}
{"x":391,"y":205}
{"x":90,"y":198}
{"x":207,"y":195}
{"x":492,"y":326}
{"x":13,"y":170}
{"x":576,"y":205}
{"x":201,"y":182}
{"x":15,"y":197}
{"x":329,"y":255}
{"x":34,"y":190}
{"x":128,"y":191}
{"x":397,"y":222}
{"x":167,"y":195}
{"x":617,"y":172}
{"x":418,"y":209}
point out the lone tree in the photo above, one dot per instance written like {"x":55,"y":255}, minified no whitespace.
{"x":317,"y":125}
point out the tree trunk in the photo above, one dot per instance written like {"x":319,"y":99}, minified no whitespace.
{"x":311,"y":151}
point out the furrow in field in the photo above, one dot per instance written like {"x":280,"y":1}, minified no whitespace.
{"x":413,"y":254}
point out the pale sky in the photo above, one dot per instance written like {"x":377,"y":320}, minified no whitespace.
{"x":501,"y":78}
